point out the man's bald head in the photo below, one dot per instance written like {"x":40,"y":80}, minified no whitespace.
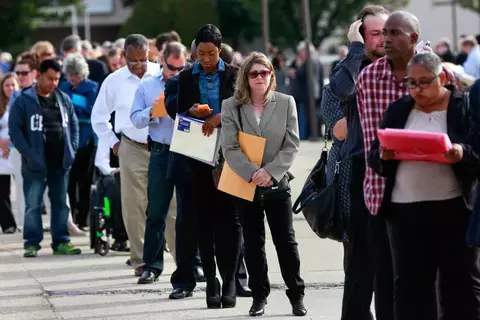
{"x":400,"y":35}
{"x":407,"y":20}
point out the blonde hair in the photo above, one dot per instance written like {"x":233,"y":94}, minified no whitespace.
{"x":42,"y":46}
{"x":242,"y":87}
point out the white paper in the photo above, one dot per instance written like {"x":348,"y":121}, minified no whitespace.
{"x":189,"y":140}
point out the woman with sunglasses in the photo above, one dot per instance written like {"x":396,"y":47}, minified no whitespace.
{"x":428,"y":201}
{"x":258,"y":110}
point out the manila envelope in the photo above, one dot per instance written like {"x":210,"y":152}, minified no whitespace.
{"x":158,"y":107}
{"x":230,"y":182}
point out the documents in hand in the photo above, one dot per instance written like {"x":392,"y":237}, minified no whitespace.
{"x":411,"y":145}
{"x":189,"y":140}
{"x":230,"y":182}
{"x":158,"y":107}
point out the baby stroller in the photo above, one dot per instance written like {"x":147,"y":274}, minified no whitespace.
{"x":100,"y":218}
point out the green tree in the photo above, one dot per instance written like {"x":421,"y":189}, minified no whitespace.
{"x":471,"y":4}
{"x":19,"y":19}
{"x":151,"y":17}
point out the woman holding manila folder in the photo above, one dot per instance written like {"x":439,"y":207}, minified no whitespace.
{"x":257,"y":110}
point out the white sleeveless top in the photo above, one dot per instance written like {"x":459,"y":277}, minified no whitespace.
{"x":418,"y":181}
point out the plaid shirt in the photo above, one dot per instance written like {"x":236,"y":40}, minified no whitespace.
{"x":376,"y":89}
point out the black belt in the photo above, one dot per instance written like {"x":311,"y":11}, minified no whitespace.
{"x":158,"y":145}
{"x":136,"y":143}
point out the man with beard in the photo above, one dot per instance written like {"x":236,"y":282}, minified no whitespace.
{"x":363,"y":252}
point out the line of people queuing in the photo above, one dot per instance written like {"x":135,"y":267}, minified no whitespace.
{"x":408,"y":220}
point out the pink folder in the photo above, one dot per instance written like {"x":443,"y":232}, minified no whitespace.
{"x":413,"y":145}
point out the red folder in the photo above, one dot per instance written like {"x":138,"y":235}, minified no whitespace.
{"x":413,"y":145}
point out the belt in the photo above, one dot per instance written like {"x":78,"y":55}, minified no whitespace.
{"x":158,"y":145}
{"x":136,"y":143}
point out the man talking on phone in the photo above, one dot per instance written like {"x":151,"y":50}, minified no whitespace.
{"x":366,"y":46}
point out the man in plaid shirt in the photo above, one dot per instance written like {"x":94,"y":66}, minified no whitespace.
{"x":380,"y":84}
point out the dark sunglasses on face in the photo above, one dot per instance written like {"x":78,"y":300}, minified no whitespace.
{"x":424,"y":84}
{"x":263,"y":74}
{"x":22,"y":73}
{"x":173,"y":68}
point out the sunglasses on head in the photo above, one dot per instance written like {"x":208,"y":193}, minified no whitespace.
{"x":173,"y":68}
{"x":22,"y":73}
{"x":263,"y":74}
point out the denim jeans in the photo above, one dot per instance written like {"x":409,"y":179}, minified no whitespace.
{"x":33,"y":189}
{"x":160,"y":193}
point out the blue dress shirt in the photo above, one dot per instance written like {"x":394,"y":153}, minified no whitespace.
{"x":159,"y":129}
{"x":209,"y":86}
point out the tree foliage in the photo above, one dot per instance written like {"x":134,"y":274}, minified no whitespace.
{"x":471,"y":4}
{"x":20,"y":17}
{"x":242,"y":19}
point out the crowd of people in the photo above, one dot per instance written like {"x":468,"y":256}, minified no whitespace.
{"x":88,"y":117}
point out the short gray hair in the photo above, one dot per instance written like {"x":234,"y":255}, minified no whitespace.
{"x":428,"y":60}
{"x":137,"y":41}
{"x":193,"y":46}
{"x":72,"y":42}
{"x":87,"y":45}
{"x":175,"y":49}
{"x":75,"y":65}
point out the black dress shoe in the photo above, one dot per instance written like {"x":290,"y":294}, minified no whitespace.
{"x":229,"y":294}
{"x":120,"y":246}
{"x":243,"y":291}
{"x":180,"y":293}
{"x":199,"y":275}
{"x":214,"y":301}
{"x":258,"y":308}
{"x":148,"y":277}
{"x":298,"y":309}
{"x":128,"y":262}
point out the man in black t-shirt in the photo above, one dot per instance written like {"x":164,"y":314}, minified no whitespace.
{"x":44,"y":129}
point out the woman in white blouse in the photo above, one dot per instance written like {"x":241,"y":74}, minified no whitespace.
{"x":426,"y":202}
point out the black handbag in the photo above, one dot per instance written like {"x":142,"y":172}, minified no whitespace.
{"x":320,"y":202}
{"x":279,"y":190}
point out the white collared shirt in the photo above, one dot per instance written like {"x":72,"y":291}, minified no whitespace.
{"x":102,"y":157}
{"x":116,"y":94}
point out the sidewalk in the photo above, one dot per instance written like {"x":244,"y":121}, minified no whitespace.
{"x":94,"y":287}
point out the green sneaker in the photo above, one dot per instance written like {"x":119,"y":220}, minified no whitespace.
{"x":66,"y":248}
{"x":30,"y":252}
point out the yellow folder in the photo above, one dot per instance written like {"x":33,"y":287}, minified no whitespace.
{"x":230,"y":182}
{"x":158,"y":107}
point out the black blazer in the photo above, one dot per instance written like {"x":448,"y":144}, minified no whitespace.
{"x":189,"y":90}
{"x":458,"y":127}
{"x":98,"y":70}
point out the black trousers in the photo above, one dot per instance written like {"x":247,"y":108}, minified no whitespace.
{"x":367,"y":258}
{"x":280,"y":219}
{"x":112,"y":191}
{"x":428,"y":239}
{"x":219,"y":226}
{"x":6,"y":215}
{"x":358,"y":256}
{"x":81,"y":177}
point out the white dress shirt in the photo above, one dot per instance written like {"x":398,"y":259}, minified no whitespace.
{"x":116,"y":94}
{"x":6,"y":166}
{"x":102,"y":158}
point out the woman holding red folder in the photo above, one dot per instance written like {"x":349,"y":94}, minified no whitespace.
{"x":428,"y":202}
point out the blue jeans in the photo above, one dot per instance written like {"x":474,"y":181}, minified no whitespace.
{"x":160,"y":192}
{"x":303,"y":121}
{"x":33,"y":189}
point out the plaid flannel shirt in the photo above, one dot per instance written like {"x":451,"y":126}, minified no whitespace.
{"x":376,"y":89}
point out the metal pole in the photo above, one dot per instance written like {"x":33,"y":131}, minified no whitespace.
{"x":74,"y":20}
{"x":312,"y":105}
{"x":86,"y":17}
{"x":454,"y":25}
{"x":265,"y":26}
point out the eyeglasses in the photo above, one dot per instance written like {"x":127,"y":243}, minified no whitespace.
{"x":424,"y":84}
{"x":264,"y":74}
{"x":173,"y":68}
{"x":22,"y":73}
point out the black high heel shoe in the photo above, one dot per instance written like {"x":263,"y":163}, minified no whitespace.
{"x":229,"y":295}
{"x":213,"y":294}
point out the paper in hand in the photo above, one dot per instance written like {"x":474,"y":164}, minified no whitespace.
{"x":158,"y":107}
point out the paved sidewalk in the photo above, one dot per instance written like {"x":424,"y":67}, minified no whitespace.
{"x":93,"y":287}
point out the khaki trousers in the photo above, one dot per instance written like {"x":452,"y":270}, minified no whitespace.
{"x":134,"y":180}
{"x":170,"y":227}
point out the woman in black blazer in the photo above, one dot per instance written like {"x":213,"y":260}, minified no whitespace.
{"x":210,"y":81}
{"x":427,"y":202}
